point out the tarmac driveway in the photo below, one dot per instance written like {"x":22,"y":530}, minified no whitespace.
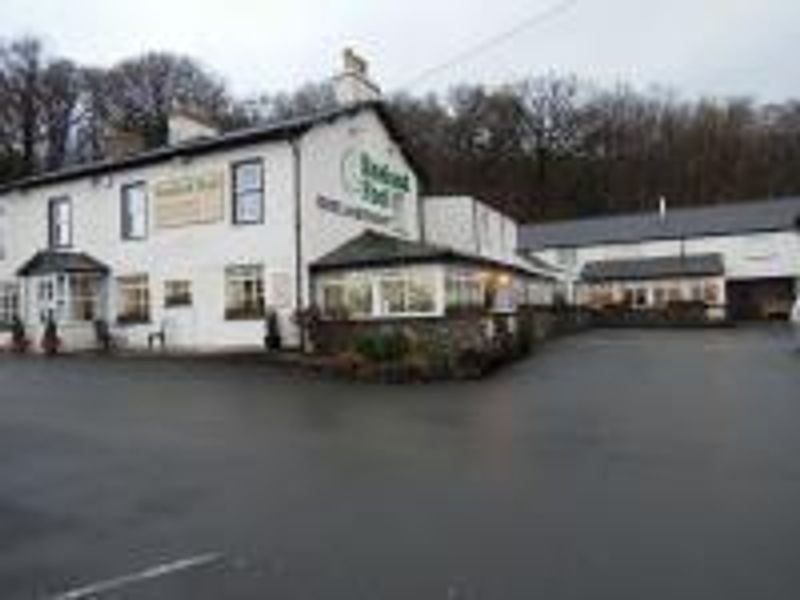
{"x":611,"y":465}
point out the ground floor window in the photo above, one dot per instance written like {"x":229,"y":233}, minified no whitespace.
{"x":84,"y":297}
{"x":134,"y":299}
{"x":244,"y":292}
{"x":348,"y":297}
{"x":711,"y":293}
{"x":9,"y":303}
{"x":463,"y":289}
{"x":407,"y":293}
{"x":177,"y":293}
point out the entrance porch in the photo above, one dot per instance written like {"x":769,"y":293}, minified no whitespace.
{"x":69,"y":289}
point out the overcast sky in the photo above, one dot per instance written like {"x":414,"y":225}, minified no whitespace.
{"x":718,"y":47}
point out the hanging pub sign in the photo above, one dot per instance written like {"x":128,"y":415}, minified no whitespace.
{"x":189,"y":200}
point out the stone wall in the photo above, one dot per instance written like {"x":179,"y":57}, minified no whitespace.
{"x":462,"y":344}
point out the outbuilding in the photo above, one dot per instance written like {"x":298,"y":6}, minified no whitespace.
{"x":755,"y":245}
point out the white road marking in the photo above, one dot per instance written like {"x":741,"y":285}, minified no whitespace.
{"x":117,"y":583}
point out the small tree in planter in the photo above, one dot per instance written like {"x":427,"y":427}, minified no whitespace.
{"x":309,"y":319}
{"x":272,"y":338}
{"x":51,"y":343}
{"x":19,"y":341}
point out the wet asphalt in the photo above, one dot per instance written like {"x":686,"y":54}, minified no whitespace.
{"x":610,"y":465}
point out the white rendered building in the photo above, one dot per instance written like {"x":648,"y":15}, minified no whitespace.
{"x":193,"y":244}
{"x":651,"y":258}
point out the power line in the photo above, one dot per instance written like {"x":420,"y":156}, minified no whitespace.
{"x":537,"y":19}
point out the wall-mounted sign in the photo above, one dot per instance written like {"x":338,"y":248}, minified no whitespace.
{"x":373,"y":182}
{"x":189,"y":200}
{"x":353,"y":212}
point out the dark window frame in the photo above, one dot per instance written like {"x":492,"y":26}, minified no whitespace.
{"x":178,"y":300}
{"x":235,"y":166}
{"x":52,"y":203}
{"x":125,"y":235}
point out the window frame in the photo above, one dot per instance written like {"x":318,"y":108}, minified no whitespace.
{"x":142,"y":318}
{"x":52,"y":242}
{"x":10,"y":303}
{"x":235,"y":192}
{"x":124,"y":190}
{"x":240,"y":313}
{"x":173,"y":300}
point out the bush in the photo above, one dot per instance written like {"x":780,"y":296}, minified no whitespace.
{"x":383,"y":347}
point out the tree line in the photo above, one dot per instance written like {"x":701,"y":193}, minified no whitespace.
{"x":546,"y":147}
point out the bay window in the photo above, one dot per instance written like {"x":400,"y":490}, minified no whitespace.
{"x":407,"y":293}
{"x":463,"y":289}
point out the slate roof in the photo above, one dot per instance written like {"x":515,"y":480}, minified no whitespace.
{"x":374,"y":250}
{"x":278,"y":131}
{"x":50,"y":261}
{"x":663,"y":267}
{"x":750,"y":217}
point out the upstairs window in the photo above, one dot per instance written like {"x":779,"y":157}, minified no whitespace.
{"x":60,"y":223}
{"x":248,"y":192}
{"x":134,"y":212}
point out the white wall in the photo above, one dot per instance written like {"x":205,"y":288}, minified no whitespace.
{"x":746,"y":256}
{"x":470,"y":226}
{"x":201,"y":253}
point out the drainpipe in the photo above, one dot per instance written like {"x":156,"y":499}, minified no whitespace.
{"x":298,"y":237}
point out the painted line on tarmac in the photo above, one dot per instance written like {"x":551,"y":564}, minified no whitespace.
{"x":162,"y":570}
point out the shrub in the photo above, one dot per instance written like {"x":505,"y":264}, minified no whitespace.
{"x":383,"y":347}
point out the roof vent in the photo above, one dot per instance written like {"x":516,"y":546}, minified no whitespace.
{"x":353,"y":85}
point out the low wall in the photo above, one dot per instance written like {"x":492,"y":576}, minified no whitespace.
{"x":685,"y":314}
{"x":462,"y":344}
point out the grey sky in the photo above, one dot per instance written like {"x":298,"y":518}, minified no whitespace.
{"x":720,"y":47}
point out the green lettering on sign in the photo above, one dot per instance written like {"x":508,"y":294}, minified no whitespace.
{"x":373,"y":182}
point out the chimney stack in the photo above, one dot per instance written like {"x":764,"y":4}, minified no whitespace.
{"x":185,"y":124}
{"x":353,"y":85}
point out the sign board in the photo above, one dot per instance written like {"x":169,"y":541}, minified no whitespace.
{"x":189,"y":200}
{"x":374,"y":183}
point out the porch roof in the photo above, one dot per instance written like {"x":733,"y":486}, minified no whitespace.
{"x":47,"y":262}
{"x":375,"y":250}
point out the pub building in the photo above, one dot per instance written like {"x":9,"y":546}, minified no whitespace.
{"x":193,"y":244}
